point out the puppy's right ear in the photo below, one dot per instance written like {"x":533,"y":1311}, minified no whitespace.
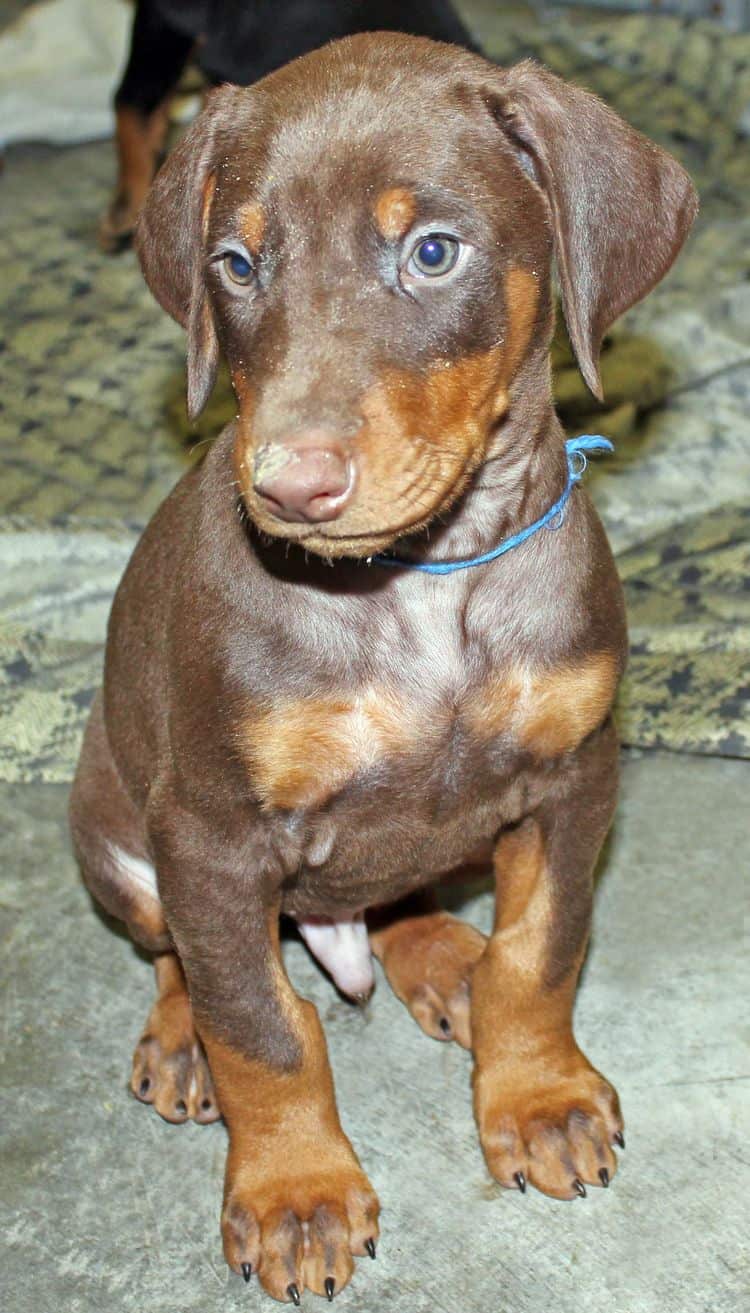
{"x":170,"y":240}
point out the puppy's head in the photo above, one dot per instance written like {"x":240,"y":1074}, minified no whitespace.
{"x":366,"y":234}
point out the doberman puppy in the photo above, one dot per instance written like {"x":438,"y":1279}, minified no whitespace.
{"x":292,"y":722}
{"x":230,"y":41}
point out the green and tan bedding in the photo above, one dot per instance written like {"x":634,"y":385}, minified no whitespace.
{"x":93,"y":432}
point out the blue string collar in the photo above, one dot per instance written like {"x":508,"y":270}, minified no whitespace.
{"x":575,"y":451}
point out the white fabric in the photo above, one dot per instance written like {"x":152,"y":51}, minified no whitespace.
{"x":60,"y":63}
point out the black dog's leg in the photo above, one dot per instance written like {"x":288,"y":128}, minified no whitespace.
{"x":158,"y":54}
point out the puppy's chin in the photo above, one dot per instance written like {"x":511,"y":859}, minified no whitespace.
{"x":330,"y":544}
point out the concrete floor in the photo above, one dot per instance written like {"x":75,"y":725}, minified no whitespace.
{"x":104,"y":1206}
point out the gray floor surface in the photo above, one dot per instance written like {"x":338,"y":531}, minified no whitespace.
{"x":105,"y":1207}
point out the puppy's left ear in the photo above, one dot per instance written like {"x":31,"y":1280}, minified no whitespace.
{"x":620,"y":207}
{"x":170,"y":241}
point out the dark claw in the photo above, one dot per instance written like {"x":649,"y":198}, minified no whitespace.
{"x":579,"y":1187}
{"x":181,"y":1106}
{"x":604,"y":1177}
{"x":620,"y":1139}
{"x":330,"y":1286}
{"x":293,"y":1293}
{"x":206,"y":1104}
{"x":145,"y":1085}
{"x":370,"y":1247}
{"x":445,"y":1025}
{"x":247,"y":1270}
{"x":520,"y":1181}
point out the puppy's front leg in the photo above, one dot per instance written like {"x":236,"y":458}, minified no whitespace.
{"x":544,"y":1113}
{"x":297,"y":1204}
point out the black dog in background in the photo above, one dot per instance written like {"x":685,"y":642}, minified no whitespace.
{"x":231,"y":41}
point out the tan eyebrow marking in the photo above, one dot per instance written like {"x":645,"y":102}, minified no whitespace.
{"x":253,"y":226}
{"x":395,"y":212}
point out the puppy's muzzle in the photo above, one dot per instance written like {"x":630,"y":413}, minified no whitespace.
{"x":309,"y":480}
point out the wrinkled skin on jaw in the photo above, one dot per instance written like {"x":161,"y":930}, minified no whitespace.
{"x":411,"y":374}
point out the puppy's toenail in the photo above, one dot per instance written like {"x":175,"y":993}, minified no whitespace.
{"x":330,"y":1286}
{"x":579,"y":1187}
{"x":604,"y":1177}
{"x":520,"y":1180}
{"x":145,"y":1085}
{"x":180,"y":1106}
{"x":445,"y":1025}
{"x":619,"y":1138}
{"x":293,"y":1293}
{"x":206,"y":1104}
{"x":247,"y":1270}
{"x":370,"y":1247}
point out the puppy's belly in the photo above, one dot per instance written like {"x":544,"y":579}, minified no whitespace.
{"x":369,"y":848}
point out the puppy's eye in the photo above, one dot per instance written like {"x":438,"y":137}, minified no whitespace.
{"x":238,"y":268}
{"x":433,"y":255}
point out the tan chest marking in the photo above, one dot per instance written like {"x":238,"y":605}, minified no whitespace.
{"x":301,"y":752}
{"x":548,"y":712}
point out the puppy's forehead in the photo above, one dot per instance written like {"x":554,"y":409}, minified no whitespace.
{"x":345,"y":127}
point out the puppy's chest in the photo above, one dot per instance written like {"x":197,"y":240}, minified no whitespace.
{"x":442,"y":742}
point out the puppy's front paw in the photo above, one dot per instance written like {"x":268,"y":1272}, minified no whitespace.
{"x":297,"y":1220}
{"x":552,"y":1124}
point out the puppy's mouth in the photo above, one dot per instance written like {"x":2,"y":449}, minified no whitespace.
{"x":332,"y":542}
{"x":345,"y":525}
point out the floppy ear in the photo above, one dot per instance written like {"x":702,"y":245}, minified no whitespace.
{"x":169,"y":240}
{"x":620,"y":206}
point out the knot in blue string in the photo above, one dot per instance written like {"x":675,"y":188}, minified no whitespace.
{"x":575,"y":451}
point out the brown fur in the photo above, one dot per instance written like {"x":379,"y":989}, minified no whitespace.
{"x":282,"y":734}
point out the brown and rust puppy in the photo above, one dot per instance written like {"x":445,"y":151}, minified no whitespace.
{"x":286,"y":727}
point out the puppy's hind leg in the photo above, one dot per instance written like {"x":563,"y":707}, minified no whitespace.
{"x":169,"y":1065}
{"x":428,"y":957}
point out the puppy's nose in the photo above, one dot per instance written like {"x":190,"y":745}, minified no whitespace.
{"x":309,"y":479}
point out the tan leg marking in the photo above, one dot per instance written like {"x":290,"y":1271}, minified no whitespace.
{"x":169,"y":1065}
{"x":429,"y":961}
{"x":297,"y":1205}
{"x":544,"y":1113}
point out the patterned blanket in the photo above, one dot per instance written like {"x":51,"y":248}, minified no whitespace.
{"x":93,"y":431}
